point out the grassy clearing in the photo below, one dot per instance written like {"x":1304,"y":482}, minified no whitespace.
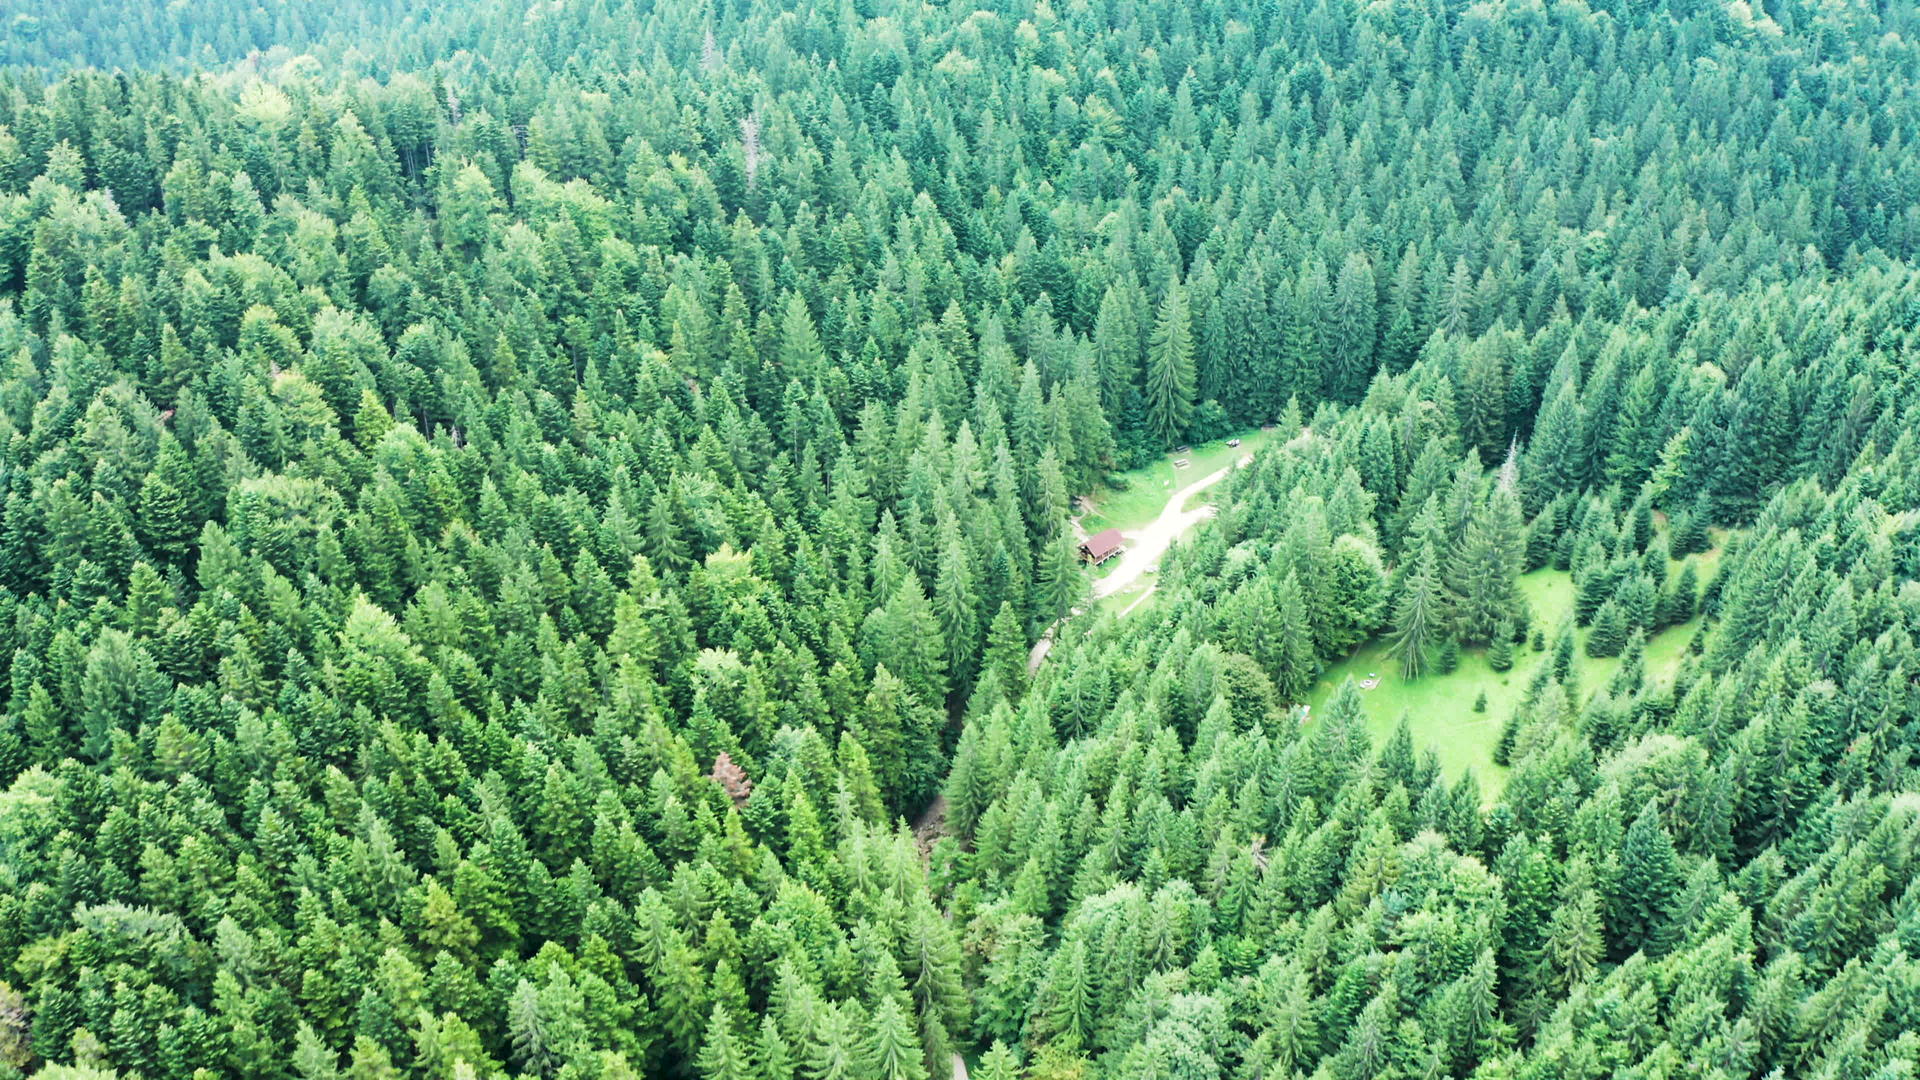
{"x":1439,"y":708}
{"x":1148,"y":487}
{"x":1119,"y":603}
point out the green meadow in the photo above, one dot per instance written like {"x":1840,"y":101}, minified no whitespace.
{"x":1439,"y":708}
{"x":1133,"y":498}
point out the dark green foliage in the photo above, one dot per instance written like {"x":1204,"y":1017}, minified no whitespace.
{"x":1647,"y":894}
{"x":1420,"y":618}
{"x":1609,"y":632}
{"x":1170,"y":384}
{"x":1500,"y":649}
{"x":510,"y":516}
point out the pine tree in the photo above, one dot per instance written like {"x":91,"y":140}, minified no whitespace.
{"x":1420,"y":617}
{"x":1689,"y":534}
{"x":954,"y":600}
{"x":999,"y":1063}
{"x":723,"y":1055}
{"x":1645,"y":898}
{"x":1291,"y":660}
{"x":1563,"y":653}
{"x":165,"y":518}
{"x":1303,"y":362}
{"x":904,"y":636}
{"x":1678,"y":604}
{"x":1116,"y":345}
{"x":1558,"y":458}
{"x":1609,"y":632}
{"x":1500,"y":649}
{"x":1007,"y":650}
{"x":1170,"y":372}
{"x":774,"y":1056}
{"x":1068,"y":995}
{"x":664,"y":544}
{"x":891,"y":1046}
{"x":1487,"y":568}
{"x":833,"y":1048}
{"x":1355,"y":596}
{"x":1355,"y":327}
{"x":1062,"y":581}
{"x":1574,"y":943}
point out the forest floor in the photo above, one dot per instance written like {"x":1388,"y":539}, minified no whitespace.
{"x":931,"y":825}
{"x":1438,"y":707}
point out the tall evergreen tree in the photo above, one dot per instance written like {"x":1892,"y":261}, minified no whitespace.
{"x":1170,"y":372}
{"x":1645,"y":899}
{"x":1421,"y":617}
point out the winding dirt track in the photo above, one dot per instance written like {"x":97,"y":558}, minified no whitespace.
{"x":1145,"y":546}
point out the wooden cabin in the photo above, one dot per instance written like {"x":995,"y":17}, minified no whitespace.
{"x":1102,"y":546}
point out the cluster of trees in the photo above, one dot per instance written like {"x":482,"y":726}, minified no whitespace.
{"x":506,"y":513}
{"x":1711,"y":873}
{"x":54,"y":35}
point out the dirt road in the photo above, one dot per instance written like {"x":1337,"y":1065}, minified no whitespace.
{"x":1145,"y":546}
{"x":1039,"y":651}
{"x":1137,"y":601}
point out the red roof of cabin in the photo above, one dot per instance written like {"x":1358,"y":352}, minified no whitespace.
{"x":1102,"y":544}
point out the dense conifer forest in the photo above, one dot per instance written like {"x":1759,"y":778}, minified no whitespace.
{"x":541,"y":540}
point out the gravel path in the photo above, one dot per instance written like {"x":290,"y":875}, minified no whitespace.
{"x":1137,"y":601}
{"x":1145,"y":546}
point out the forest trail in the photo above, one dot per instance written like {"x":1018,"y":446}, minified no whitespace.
{"x":1040,"y":650}
{"x":1138,"y":600}
{"x":1146,"y":546}
{"x":959,"y":1068}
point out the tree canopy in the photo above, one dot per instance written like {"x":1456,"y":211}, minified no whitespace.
{"x":523,"y":532}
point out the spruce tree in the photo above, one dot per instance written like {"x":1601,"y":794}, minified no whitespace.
{"x":1488,"y":564}
{"x":723,"y":1054}
{"x":164,"y":518}
{"x":1292,"y":663}
{"x":1563,"y":652}
{"x":1062,"y":580}
{"x":1007,"y":649}
{"x":1500,"y":649}
{"x":892,"y":1048}
{"x":1648,"y":889}
{"x":1116,"y":344}
{"x":1678,"y":604}
{"x":1608,"y":634}
{"x":954,"y":603}
{"x":1575,"y":942}
{"x":1420,"y":618}
{"x":1170,"y":372}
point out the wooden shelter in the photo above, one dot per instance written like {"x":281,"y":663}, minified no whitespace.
{"x":1102,"y":546}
